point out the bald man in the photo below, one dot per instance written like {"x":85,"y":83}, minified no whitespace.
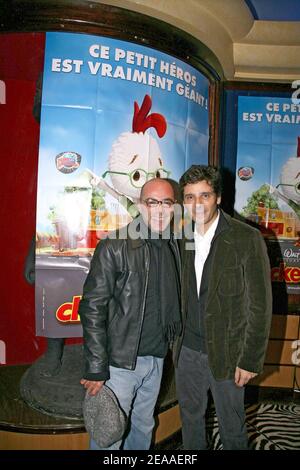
{"x":130,"y":312}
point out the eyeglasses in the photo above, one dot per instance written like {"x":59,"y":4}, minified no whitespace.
{"x":165,"y":203}
{"x":203,"y":196}
{"x":295,"y":186}
{"x":139,"y":177}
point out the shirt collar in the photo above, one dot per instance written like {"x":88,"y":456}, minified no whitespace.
{"x":209,"y":234}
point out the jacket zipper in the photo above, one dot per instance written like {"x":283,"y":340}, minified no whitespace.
{"x":144,"y":303}
{"x":184,"y":317}
{"x":175,"y":250}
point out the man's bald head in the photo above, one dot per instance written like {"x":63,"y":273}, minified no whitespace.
{"x":157,"y":186}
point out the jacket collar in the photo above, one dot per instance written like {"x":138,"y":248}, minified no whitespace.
{"x":224,"y":224}
{"x":221,"y":251}
{"x":141,"y":240}
{"x":136,"y":243}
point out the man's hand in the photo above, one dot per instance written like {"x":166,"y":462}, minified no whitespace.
{"x":242,"y":376}
{"x":92,"y":386}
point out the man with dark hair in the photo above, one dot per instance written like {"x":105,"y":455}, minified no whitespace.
{"x":226,"y":301}
{"x":130,"y":311}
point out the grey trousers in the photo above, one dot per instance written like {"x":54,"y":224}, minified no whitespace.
{"x":193,"y":380}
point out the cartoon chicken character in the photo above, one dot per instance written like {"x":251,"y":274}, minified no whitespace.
{"x":135,"y":157}
{"x":289,"y":187}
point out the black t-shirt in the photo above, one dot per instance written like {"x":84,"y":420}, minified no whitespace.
{"x":152,"y":342}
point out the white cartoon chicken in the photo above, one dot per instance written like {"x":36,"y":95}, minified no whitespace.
{"x":135,"y":157}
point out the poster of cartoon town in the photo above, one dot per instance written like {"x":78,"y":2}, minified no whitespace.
{"x":268,"y":178}
{"x":114,"y":114}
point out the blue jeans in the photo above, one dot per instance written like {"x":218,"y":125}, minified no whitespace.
{"x":137,"y":391}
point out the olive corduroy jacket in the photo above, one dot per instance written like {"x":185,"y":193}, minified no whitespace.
{"x":238,"y":308}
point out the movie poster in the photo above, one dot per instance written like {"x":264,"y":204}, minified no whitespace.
{"x":114,"y":114}
{"x":268,"y":180}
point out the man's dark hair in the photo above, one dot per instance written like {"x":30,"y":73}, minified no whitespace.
{"x":197,"y":173}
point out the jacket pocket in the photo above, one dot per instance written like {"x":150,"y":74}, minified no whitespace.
{"x":231,"y":282}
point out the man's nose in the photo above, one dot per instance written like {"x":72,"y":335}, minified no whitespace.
{"x":198,"y":200}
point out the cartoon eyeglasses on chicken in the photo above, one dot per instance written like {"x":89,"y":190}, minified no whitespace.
{"x":139,"y":176}
{"x":295,"y":186}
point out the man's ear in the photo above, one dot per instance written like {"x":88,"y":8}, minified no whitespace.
{"x":219,"y":198}
{"x":139,"y":205}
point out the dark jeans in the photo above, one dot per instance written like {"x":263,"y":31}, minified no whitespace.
{"x":193,"y":380}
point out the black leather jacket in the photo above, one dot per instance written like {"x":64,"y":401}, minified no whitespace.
{"x":113,"y":304}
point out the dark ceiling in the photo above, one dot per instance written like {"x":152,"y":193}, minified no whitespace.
{"x":274,"y":10}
